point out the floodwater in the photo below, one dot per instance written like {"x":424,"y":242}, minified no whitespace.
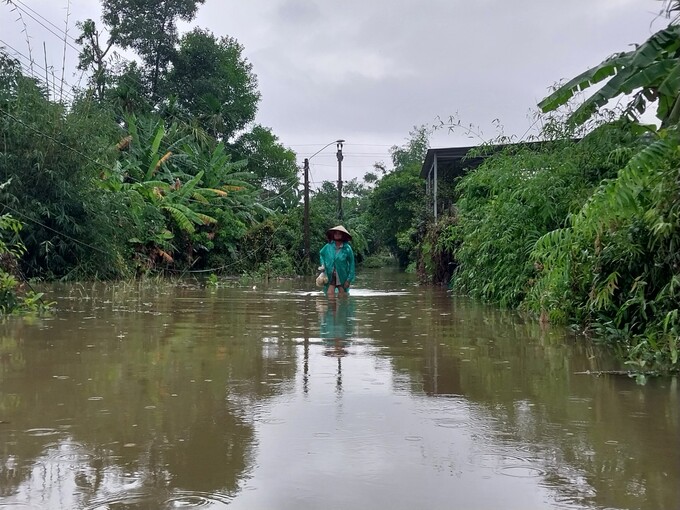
{"x":145,"y":396}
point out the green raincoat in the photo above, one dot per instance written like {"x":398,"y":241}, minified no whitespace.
{"x":341,"y":260}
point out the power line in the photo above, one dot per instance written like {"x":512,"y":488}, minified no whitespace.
{"x":49,"y":137}
{"x":356,"y":154}
{"x":371,"y":144}
{"x":68,"y":94}
{"x":11,"y":2}
{"x":343,"y":166}
{"x":19,"y":213}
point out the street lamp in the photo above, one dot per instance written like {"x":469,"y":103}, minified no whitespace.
{"x":327,"y":145}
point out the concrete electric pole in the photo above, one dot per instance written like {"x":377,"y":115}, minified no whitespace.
{"x":306,"y":218}
{"x":340,"y":158}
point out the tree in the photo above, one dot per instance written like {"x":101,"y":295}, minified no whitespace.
{"x":150,"y":28}
{"x":274,"y":167}
{"x":398,"y":197}
{"x":52,"y":158}
{"x":93,"y":56}
{"x":213,"y":81}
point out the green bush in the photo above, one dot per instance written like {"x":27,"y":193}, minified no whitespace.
{"x":12,"y":297}
{"x":516,"y":197}
{"x":615,"y":265}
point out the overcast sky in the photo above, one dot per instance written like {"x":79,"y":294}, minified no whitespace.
{"x":369,"y":71}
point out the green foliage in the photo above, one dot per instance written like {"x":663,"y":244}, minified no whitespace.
{"x":213,"y":82}
{"x":274,"y":167}
{"x":125,"y":180}
{"x":514,"y":198}
{"x":127,"y":93}
{"x":651,"y":70}
{"x":615,"y":264}
{"x":53,"y":158}
{"x":150,"y":28}
{"x":181,"y":196}
{"x":436,"y":253}
{"x":378,"y":260}
{"x":584,"y":231}
{"x":13,"y":298}
{"x":396,"y":204}
{"x":10,"y":241}
{"x":272,"y":248}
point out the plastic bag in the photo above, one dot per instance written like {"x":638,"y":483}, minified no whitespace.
{"x":322,"y":279}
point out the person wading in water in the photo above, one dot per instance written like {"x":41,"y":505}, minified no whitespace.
{"x":337,"y":259}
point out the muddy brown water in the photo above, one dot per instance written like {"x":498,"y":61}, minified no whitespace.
{"x":268,"y":396}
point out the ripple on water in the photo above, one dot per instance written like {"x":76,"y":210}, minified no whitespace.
{"x":451,"y":423}
{"x":188,"y":499}
{"x":498,"y":460}
{"x":69,"y":453}
{"x":128,"y":500}
{"x":521,"y":471}
{"x":270,"y":421}
{"x":41,"y":432}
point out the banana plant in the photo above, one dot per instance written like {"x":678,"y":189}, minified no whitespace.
{"x":651,"y":71}
{"x":227,"y":183}
{"x":177,"y":200}
{"x":149,"y":155}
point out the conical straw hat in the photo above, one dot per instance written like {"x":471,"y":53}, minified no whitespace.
{"x":339,"y":228}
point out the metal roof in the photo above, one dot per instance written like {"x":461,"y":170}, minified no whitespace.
{"x":454,"y":161}
{"x":450,"y":160}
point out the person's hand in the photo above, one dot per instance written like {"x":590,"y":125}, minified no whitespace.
{"x":346,"y":285}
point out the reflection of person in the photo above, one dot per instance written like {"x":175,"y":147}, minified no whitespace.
{"x":337,"y":259}
{"x":336,"y":326}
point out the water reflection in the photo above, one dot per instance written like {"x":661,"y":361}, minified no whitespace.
{"x":180,"y":396}
{"x":336,"y":319}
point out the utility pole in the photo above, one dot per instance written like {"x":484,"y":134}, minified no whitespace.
{"x":340,"y":158}
{"x":306,"y":233}
{"x":306,"y":214}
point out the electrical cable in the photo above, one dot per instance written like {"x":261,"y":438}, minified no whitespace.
{"x":13,"y":2}
{"x":32,"y":220}
{"x":68,"y":94}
